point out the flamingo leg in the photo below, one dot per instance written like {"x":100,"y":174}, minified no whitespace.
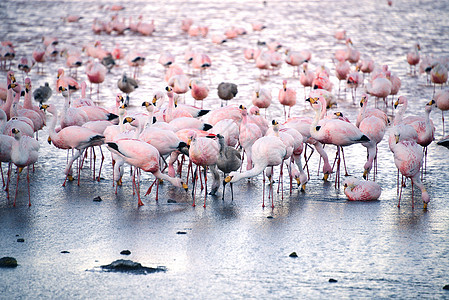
{"x":263,"y":189}
{"x":271,"y":187}
{"x":17,"y":185}
{"x":101,"y":164}
{"x":205,"y":186}
{"x":28,"y":180}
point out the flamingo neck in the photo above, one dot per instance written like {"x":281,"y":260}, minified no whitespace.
{"x":256,"y":170}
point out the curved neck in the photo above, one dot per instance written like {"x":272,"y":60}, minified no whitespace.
{"x":27,"y":101}
{"x":400,"y":114}
{"x":256,"y":170}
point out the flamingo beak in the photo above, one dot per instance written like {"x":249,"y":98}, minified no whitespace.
{"x":431,"y":102}
{"x":365,"y":173}
{"x":396,"y":104}
{"x":49,"y":140}
{"x":185,"y":187}
{"x":326,"y":176}
{"x":425,"y":205}
{"x":228,"y":179}
{"x":303,"y":188}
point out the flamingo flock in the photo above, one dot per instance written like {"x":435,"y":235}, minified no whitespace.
{"x":181,"y":143}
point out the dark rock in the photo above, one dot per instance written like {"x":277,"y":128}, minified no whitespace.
{"x":125,"y":252}
{"x":171,"y":201}
{"x":98,"y":199}
{"x":17,"y":235}
{"x":181,"y":232}
{"x":129,"y":266}
{"x":20,"y":240}
{"x":446,"y":287}
{"x":8,"y":262}
{"x":333,"y":280}
{"x":65,"y":251}
{"x":293,"y":254}
{"x":270,"y":217}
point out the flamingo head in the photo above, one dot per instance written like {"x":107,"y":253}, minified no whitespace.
{"x":60,"y":73}
{"x":364,"y":99}
{"x":128,"y":120}
{"x":28,"y":84}
{"x":425,"y":198}
{"x":284,"y":84}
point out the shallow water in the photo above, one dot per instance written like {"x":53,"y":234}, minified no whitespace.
{"x":231,"y":249}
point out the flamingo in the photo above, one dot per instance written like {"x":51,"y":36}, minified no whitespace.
{"x":438,"y":75}
{"x":226,"y":91}
{"x":24,"y":152}
{"x":203,"y":152}
{"x":267,"y":151}
{"x":166,"y":59}
{"x":229,"y":130}
{"x":199,"y":90}
{"x":71,"y":137}
{"x":342,"y":70}
{"x":127,"y":85}
{"x":179,"y":83}
{"x":39,"y":56}
{"x":229,"y":160}
{"x":287,"y":97}
{"x":261,"y":97}
{"x":142,"y":156}
{"x":413,"y":58}
{"x":6,"y":142}
{"x":42,"y":93}
{"x":66,"y":82}
{"x":408,"y":158}
{"x":96,"y":74}
{"x":306,"y":77}
{"x":249,"y":133}
{"x":359,"y":190}
{"x":294,"y":59}
{"x":442,"y":100}
{"x":365,"y":112}
{"x":334,"y":131}
{"x":380,"y":87}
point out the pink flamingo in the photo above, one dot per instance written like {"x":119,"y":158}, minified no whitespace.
{"x":359,"y":190}
{"x":334,"y":131}
{"x":249,"y":133}
{"x":199,"y":90}
{"x":438,"y":75}
{"x":185,"y":24}
{"x":342,"y":70}
{"x":166,"y":59}
{"x":96,"y":74}
{"x":202,"y":62}
{"x":142,"y":156}
{"x":380,"y":87}
{"x":340,"y":35}
{"x":366,"y":112}
{"x":352,"y":55}
{"x":306,"y":77}
{"x":413,"y":58}
{"x":267,"y":151}
{"x":27,"y":104}
{"x":261,"y":97}
{"x":11,"y":85}
{"x":203,"y":152}
{"x":442,"y":100}
{"x":250,"y":53}
{"x":374,"y":128}
{"x":408,"y":157}
{"x":66,"y":82}
{"x":72,"y":137}
{"x":294,"y":59}
{"x":24,"y":152}
{"x":179,"y":83}
{"x":227,"y":112}
{"x":287,"y":97}
{"x":5,"y":149}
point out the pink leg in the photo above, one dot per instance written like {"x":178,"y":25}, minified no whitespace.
{"x":28,"y":179}
{"x":17,"y":186}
